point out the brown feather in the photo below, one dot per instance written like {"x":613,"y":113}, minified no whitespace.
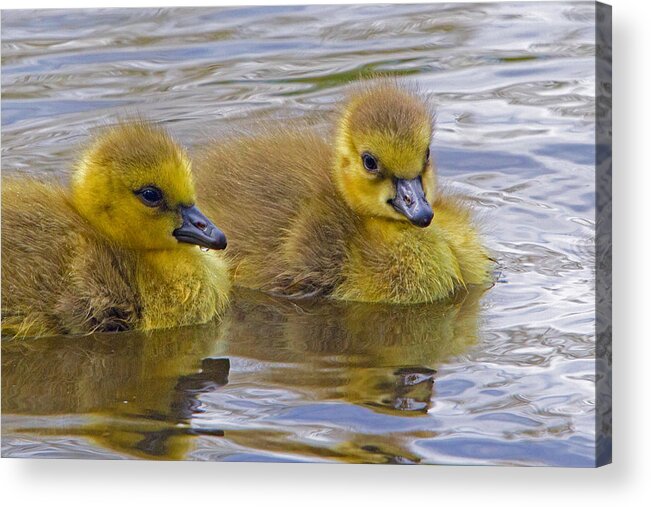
{"x":297,"y":228}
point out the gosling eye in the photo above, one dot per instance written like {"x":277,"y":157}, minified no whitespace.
{"x":370,"y":163}
{"x":150,"y":196}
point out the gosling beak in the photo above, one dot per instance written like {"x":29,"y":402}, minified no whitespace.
{"x":198,"y":230}
{"x":410,"y":201}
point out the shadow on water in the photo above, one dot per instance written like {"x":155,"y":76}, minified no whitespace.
{"x":155,"y":395}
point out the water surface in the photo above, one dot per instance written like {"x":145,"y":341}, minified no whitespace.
{"x":501,"y":377}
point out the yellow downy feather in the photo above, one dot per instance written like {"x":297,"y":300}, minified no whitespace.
{"x":94,"y":257}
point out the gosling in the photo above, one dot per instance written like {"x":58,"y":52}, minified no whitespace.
{"x":355,"y":216}
{"x":123,"y":247}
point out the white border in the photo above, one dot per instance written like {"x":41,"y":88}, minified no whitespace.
{"x":627,"y":482}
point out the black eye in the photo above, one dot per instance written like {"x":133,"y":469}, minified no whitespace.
{"x":427,"y":155}
{"x":150,"y":196}
{"x":370,"y":163}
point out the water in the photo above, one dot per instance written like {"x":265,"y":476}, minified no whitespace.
{"x":501,"y":377}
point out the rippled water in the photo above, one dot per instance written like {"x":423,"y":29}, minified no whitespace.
{"x":505,"y":377}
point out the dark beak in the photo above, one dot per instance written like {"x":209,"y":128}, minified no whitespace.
{"x":410,"y":201}
{"x":198,"y":230}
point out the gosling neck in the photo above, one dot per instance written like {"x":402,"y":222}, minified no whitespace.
{"x":385,"y":229}
{"x":170,"y":258}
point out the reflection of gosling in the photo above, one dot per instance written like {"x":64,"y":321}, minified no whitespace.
{"x":119,"y":250}
{"x":380,"y":356}
{"x":134,"y":395}
{"x":355,"y":217}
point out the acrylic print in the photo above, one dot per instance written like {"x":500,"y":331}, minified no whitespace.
{"x":341,"y":234}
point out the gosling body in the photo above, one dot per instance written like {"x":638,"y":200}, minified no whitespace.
{"x":353,"y":215}
{"x":97,"y":256}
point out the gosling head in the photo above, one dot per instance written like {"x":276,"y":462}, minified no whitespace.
{"x":383,"y":167}
{"x":134,"y":185}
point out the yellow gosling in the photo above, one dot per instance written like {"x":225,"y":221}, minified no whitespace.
{"x":353,"y":216}
{"x":125,"y":247}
